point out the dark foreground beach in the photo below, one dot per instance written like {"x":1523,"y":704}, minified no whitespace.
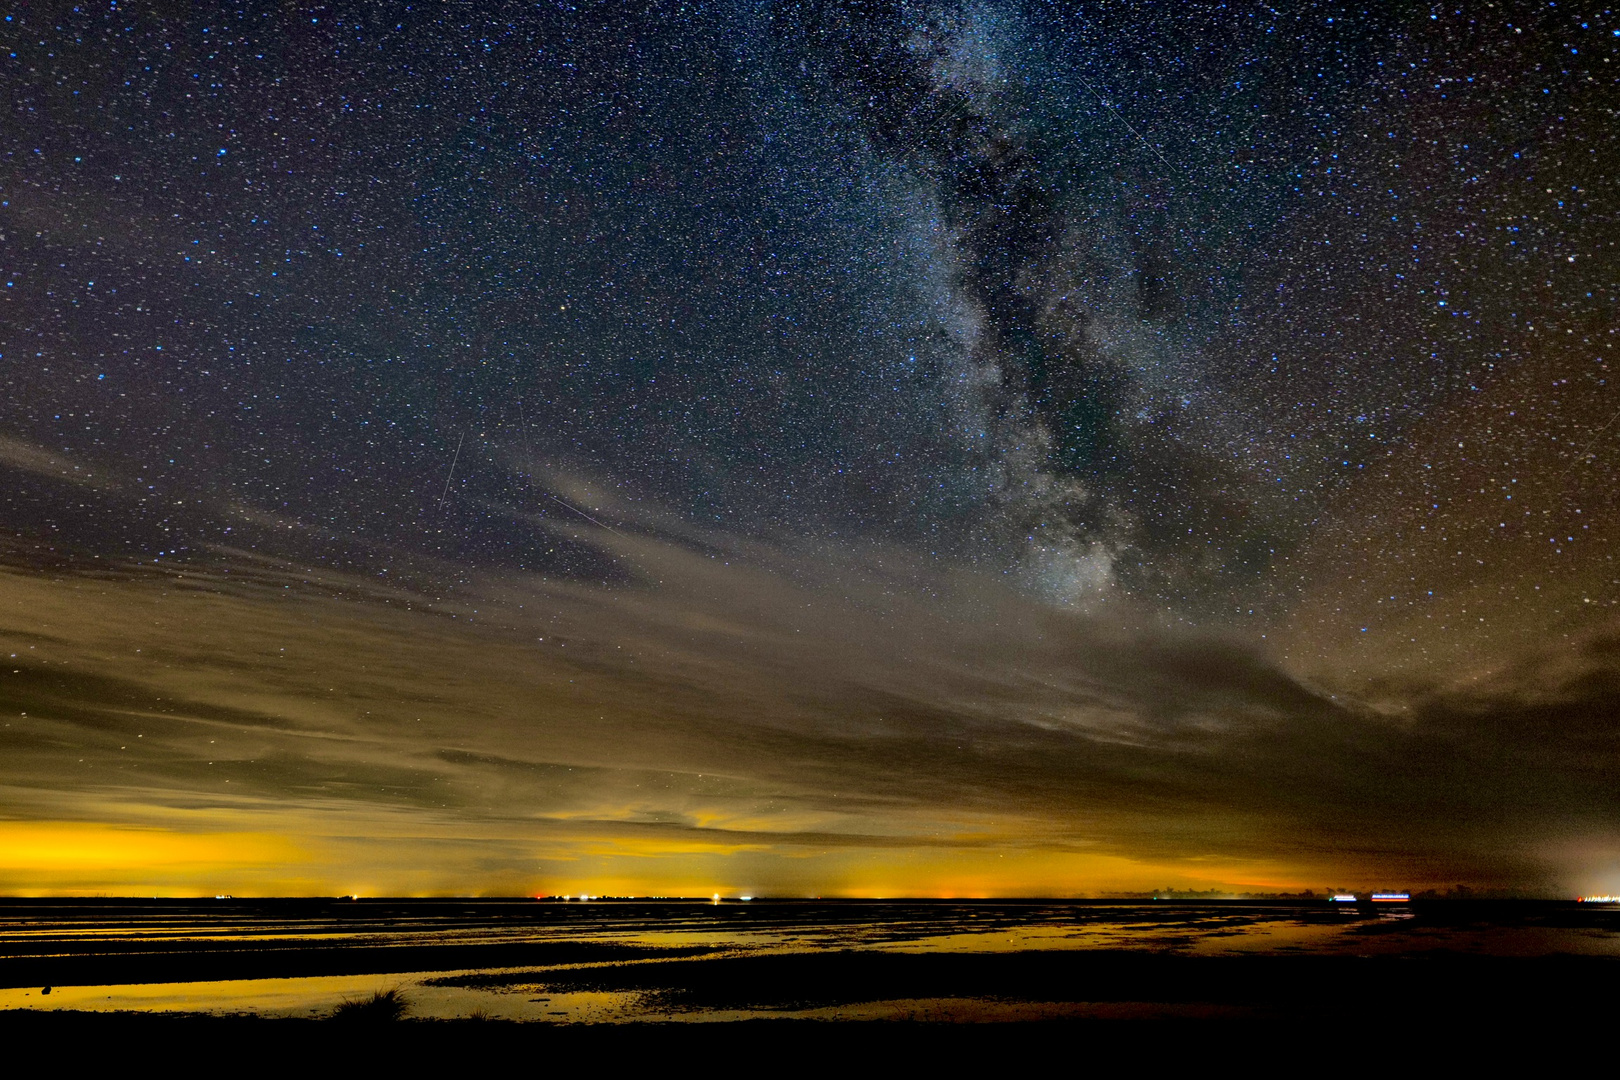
{"x":812,"y":977}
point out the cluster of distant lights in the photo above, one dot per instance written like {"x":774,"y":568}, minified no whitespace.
{"x":716,"y":898}
{"x":1377,"y":898}
{"x":1337,"y":898}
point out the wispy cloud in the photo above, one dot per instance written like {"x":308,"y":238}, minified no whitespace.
{"x":775,"y":716}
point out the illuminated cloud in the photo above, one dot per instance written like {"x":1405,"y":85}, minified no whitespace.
{"x":816,"y":447}
{"x":754,"y":718}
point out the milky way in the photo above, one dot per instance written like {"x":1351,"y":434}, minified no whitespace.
{"x":1077,"y":436}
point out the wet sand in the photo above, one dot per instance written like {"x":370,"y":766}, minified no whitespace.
{"x":643,"y":974}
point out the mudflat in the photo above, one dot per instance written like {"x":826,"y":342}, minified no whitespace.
{"x":640,"y":974}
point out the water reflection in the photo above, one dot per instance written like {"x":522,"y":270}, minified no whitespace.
{"x":540,"y":961}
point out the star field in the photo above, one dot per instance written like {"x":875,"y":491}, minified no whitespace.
{"x":977,"y":413}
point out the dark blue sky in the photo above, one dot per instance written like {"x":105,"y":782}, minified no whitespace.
{"x":1288,"y":325}
{"x":826,"y":268}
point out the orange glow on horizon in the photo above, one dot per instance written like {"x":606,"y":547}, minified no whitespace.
{"x":71,"y":857}
{"x":74,"y":858}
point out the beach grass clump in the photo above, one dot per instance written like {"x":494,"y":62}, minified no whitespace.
{"x":381,"y":1007}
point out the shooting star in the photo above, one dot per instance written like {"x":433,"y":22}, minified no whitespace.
{"x":445,"y":493}
{"x":1154,"y":150}
{"x":583,"y":514}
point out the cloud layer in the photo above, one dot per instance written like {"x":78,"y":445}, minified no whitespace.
{"x":741,"y":716}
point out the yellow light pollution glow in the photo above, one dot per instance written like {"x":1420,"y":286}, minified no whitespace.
{"x":723,"y":728}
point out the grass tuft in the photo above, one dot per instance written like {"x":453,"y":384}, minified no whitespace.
{"x":382,"y":1006}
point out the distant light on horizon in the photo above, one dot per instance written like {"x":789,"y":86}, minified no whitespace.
{"x":743,"y":546}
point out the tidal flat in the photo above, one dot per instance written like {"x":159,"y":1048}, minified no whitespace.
{"x":685,"y":970}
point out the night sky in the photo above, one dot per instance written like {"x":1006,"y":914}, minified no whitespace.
{"x":835,"y":447}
